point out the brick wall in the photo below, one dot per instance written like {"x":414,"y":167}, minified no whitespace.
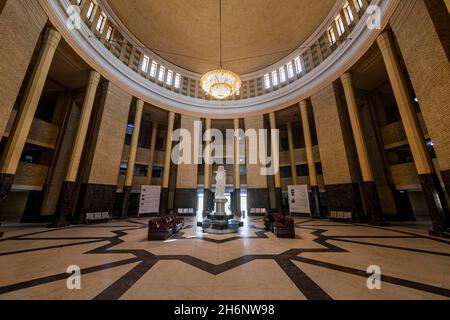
{"x":332,"y":134}
{"x":254,"y":177}
{"x":21,"y":23}
{"x":429,"y":70}
{"x":108,"y":135}
{"x":187,"y":173}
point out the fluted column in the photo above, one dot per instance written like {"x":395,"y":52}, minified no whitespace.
{"x":431,"y":187}
{"x":276,"y":162}
{"x":208,"y":204}
{"x":151,"y":161}
{"x":132,"y":158}
{"x":67,"y":194}
{"x":292,"y":153}
{"x":22,"y":124}
{"x":315,"y":195}
{"x":371,"y":201}
{"x":167,"y":162}
{"x":236,"y":200}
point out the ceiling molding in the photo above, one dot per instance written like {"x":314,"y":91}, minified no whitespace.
{"x":100,"y":59}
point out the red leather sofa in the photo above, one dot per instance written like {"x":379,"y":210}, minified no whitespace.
{"x":164,"y":227}
{"x":282,"y":226}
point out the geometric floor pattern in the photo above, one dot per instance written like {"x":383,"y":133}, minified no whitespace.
{"x":327,"y":260}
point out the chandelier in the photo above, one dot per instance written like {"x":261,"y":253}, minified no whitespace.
{"x":220,"y":83}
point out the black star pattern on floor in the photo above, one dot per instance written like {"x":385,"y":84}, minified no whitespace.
{"x":146,"y":259}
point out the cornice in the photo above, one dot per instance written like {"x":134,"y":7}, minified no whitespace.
{"x":100,"y":59}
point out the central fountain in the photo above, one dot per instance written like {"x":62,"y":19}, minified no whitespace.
{"x":219,"y":222}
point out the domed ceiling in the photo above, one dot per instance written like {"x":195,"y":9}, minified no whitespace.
{"x":256,"y":33}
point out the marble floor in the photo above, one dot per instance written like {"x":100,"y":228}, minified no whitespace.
{"x":327,"y":260}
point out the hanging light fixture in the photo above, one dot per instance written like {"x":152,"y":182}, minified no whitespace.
{"x":220,"y":83}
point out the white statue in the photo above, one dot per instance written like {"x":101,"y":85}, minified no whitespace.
{"x":221,"y":177}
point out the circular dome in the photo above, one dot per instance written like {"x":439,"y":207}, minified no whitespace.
{"x":256,"y":33}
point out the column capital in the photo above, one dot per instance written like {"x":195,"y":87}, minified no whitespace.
{"x":52,"y":37}
{"x":347,"y":79}
{"x":384,"y":41}
{"x":139,"y":104}
{"x":94,"y":78}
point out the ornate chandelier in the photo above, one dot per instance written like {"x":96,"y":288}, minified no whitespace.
{"x":220,"y":83}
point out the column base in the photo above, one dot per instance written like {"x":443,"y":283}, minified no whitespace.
{"x":257,"y":198}
{"x":315,"y":203}
{"x":65,"y":205}
{"x":279,"y":200}
{"x":446,"y":178}
{"x":6,"y":182}
{"x":186,"y":199}
{"x":236,"y":201}
{"x":372,"y":204}
{"x":445,"y":235}
{"x":345,"y":197}
{"x":126,"y":201}
{"x":208,"y":201}
{"x":436,"y":202}
{"x":94,"y":198}
{"x":164,"y":202}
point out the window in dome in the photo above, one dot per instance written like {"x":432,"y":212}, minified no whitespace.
{"x":153,"y":69}
{"x":169,"y":77}
{"x":162,"y":73}
{"x":91,"y":10}
{"x":109,"y":34}
{"x":101,"y":23}
{"x":177,"y":81}
{"x":282,"y":74}
{"x":340,"y":25}
{"x":348,"y":13}
{"x":290,"y":70}
{"x":298,"y":65}
{"x":145,"y":63}
{"x":274,"y":78}
{"x":331,"y":36}
{"x":267,"y":81}
{"x":358,"y":4}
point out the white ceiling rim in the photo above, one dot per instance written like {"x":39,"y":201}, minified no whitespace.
{"x":103,"y":61}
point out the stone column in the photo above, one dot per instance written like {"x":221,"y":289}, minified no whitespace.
{"x":371,"y":199}
{"x":430,"y":78}
{"x":132,"y":158}
{"x":257,"y":188}
{"x":186,"y":185}
{"x":152,"y":152}
{"x":236,"y":196}
{"x":208,"y":204}
{"x":337,"y":152}
{"x":431,"y":187}
{"x":315,"y":195}
{"x":167,"y":162}
{"x":103,"y":152}
{"x":275,"y":147}
{"x":67,"y":194}
{"x":291,"y":153}
{"x":22,"y":124}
